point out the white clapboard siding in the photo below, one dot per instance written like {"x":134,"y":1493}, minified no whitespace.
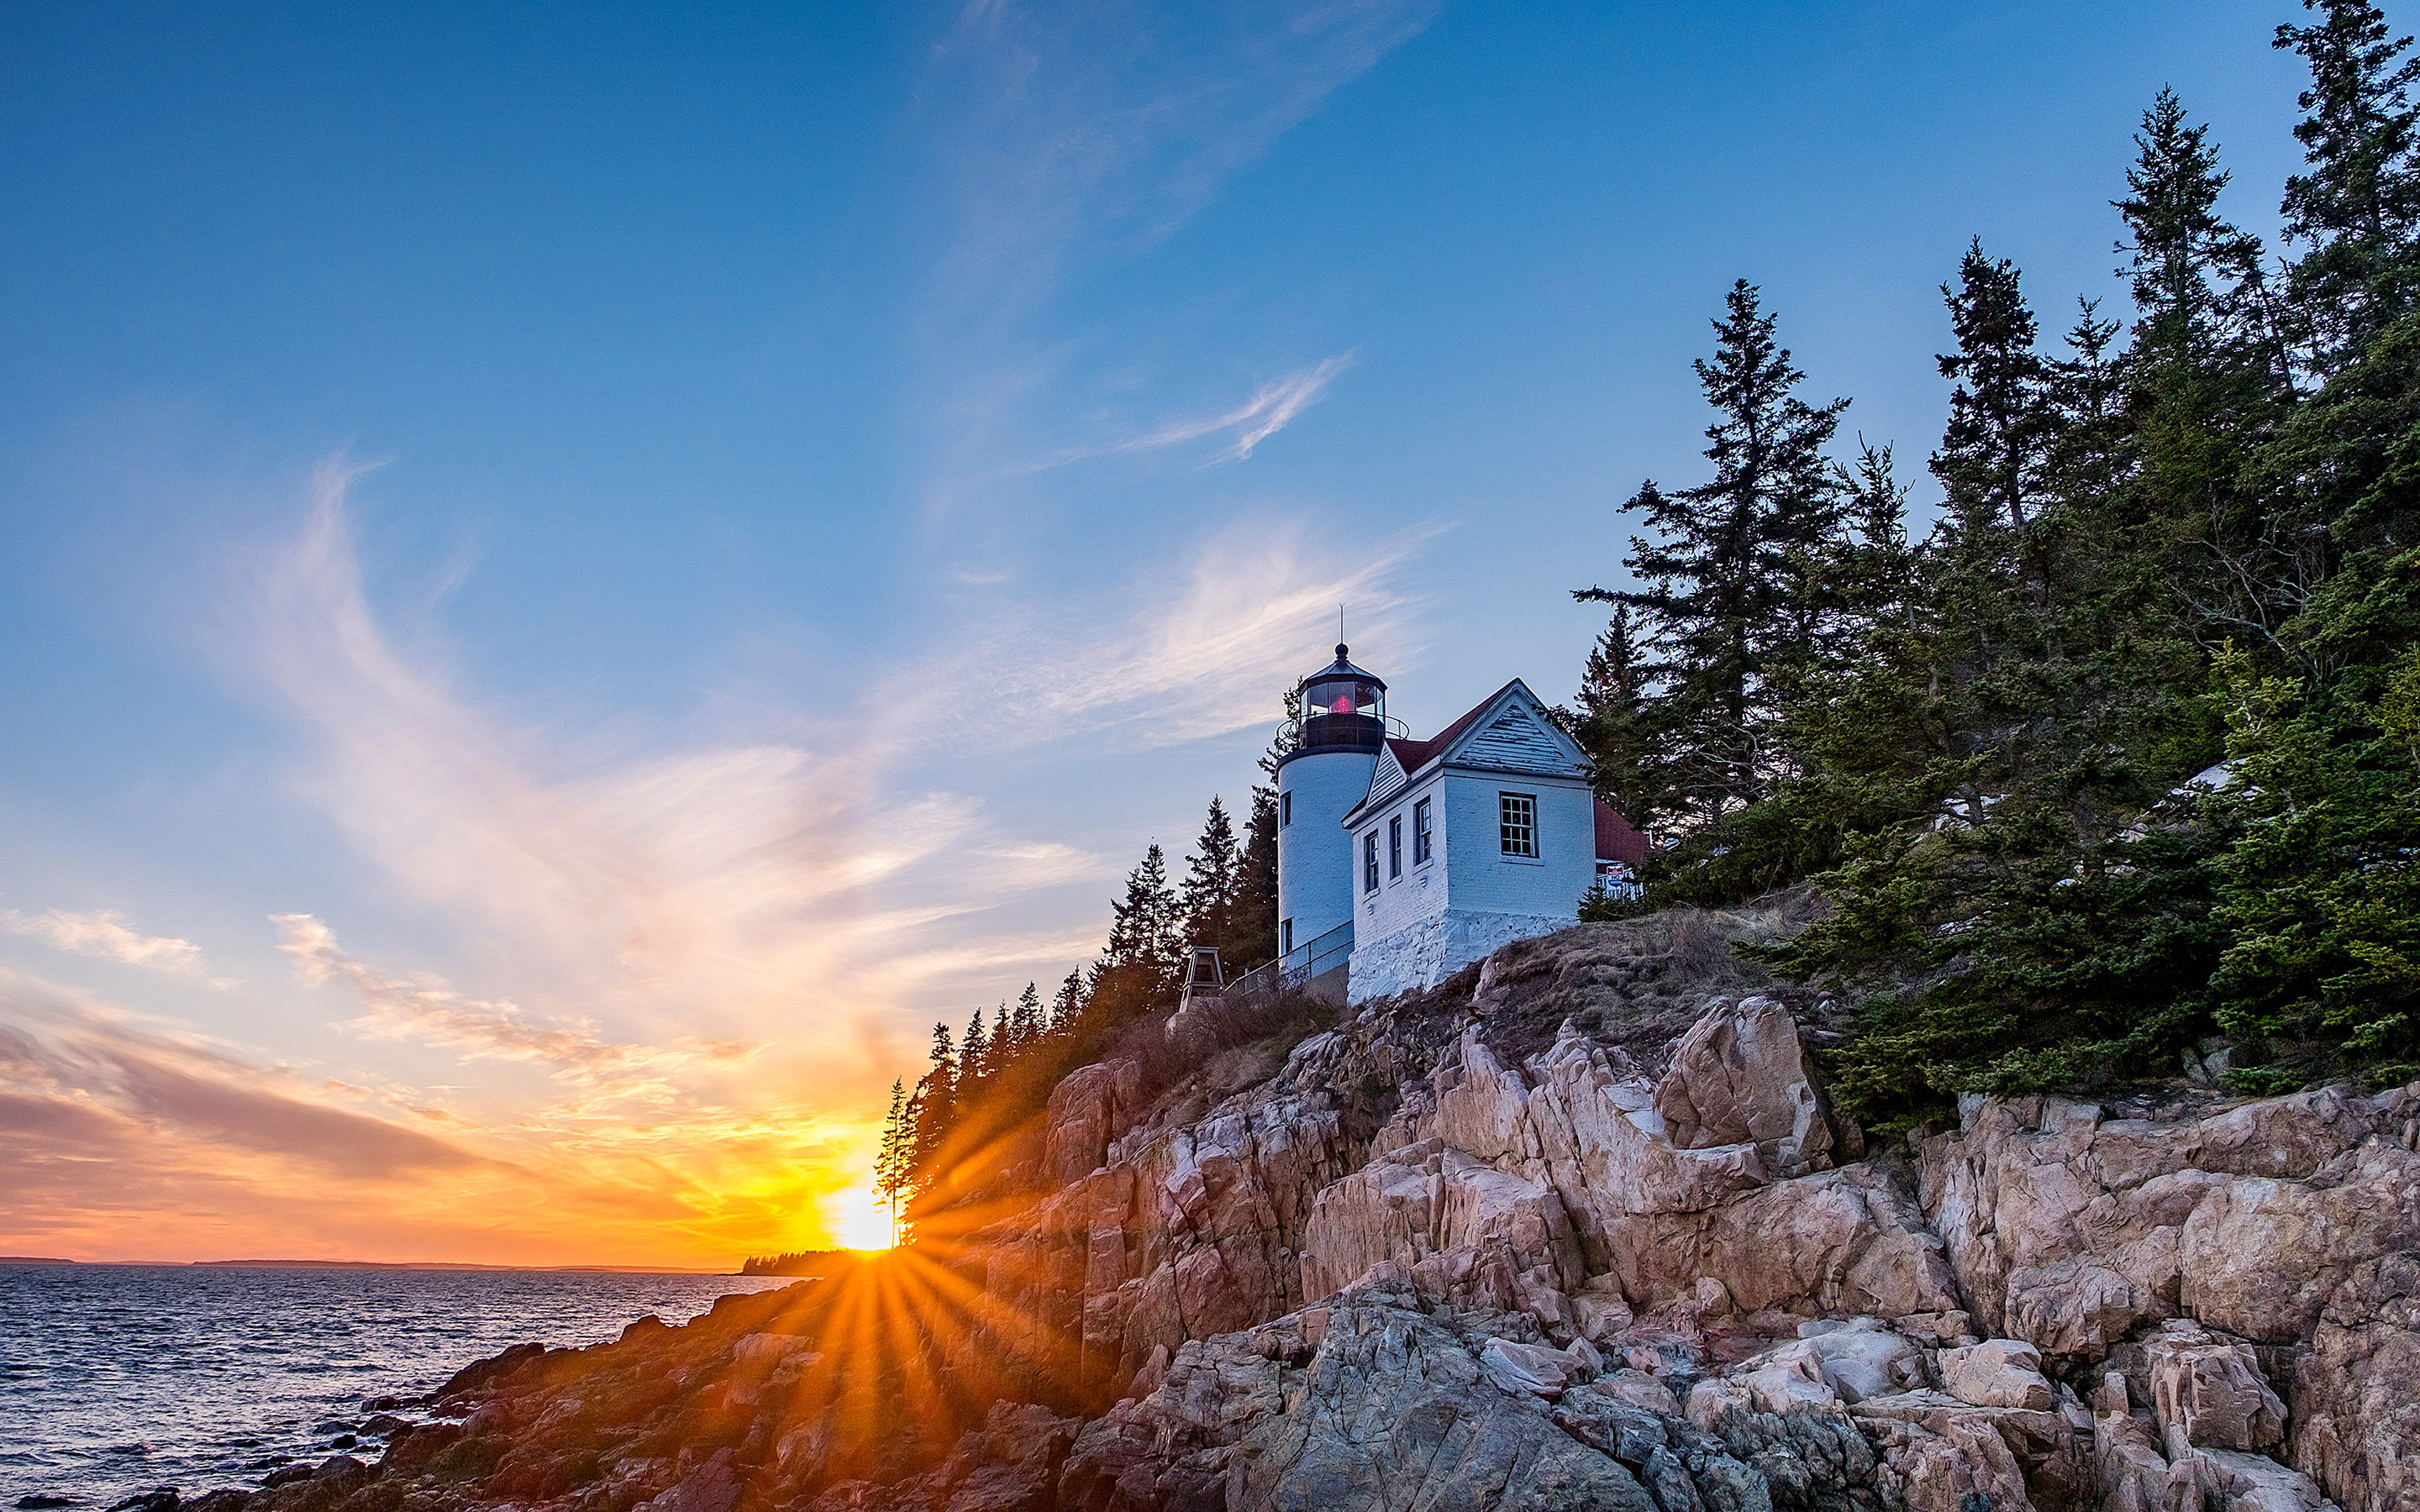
{"x":1387,"y":776}
{"x":1519,"y":741}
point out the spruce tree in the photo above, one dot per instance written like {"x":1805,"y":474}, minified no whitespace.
{"x":2358,"y":207}
{"x":974,"y":1057}
{"x":1726,"y":598}
{"x":1206,"y":903}
{"x":1627,"y":766}
{"x":1027,"y":1021}
{"x":895,"y":1156}
{"x":1144,"y":928}
{"x":937,"y":1099}
{"x":1251,"y":936}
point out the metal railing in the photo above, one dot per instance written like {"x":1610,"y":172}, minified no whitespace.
{"x":1349,"y":731}
{"x":1298,"y":967}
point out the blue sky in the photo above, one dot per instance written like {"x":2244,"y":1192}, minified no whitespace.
{"x":572,"y":576}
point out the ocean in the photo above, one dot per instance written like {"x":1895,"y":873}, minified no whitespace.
{"x":118,"y":1379}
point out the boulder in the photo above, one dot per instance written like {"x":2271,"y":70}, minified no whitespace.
{"x":1788,"y":1377}
{"x":1740,"y":1077}
{"x":1428,"y":1200}
{"x":1392,"y":1408}
{"x":2237,"y":1481}
{"x":1090,"y":1106}
{"x":2356,"y":1394}
{"x":1997,"y":1373}
{"x":1946,"y":1470}
{"x":2135,"y":1475}
{"x":2211,"y":1388}
{"x":710,"y":1488}
{"x":1859,"y":1357}
{"x":1638,"y":1389}
{"x":1525,"y":1367}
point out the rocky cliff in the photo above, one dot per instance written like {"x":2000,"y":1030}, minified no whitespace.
{"x":1565,"y":1232}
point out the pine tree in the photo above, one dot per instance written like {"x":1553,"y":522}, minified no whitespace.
{"x":1068,"y":1004}
{"x":974,"y":1058}
{"x":1251,"y":936}
{"x":1992,"y":452}
{"x":1145,"y":927}
{"x":2358,"y":207}
{"x":1727,"y":601}
{"x":1025,"y":1023}
{"x":1207,"y":900}
{"x":1628,"y":766}
{"x":894,"y":1158}
{"x":937,"y":1099}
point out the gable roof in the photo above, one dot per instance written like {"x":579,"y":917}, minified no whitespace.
{"x":1615,"y":840}
{"x":1416,"y":756}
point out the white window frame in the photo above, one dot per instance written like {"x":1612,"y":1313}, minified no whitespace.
{"x":1523,"y":830}
{"x":1370,"y":862}
{"x":1285,"y":810}
{"x":1395,"y":848}
{"x":1423,"y":841}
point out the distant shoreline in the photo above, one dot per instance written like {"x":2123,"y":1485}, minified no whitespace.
{"x":28,"y":1260}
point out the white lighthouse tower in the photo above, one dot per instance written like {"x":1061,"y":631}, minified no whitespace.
{"x":1337,"y":741}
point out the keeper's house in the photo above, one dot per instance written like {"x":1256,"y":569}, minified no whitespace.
{"x":1401,"y":861}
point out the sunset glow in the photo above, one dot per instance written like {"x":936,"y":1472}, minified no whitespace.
{"x":864,"y":1225}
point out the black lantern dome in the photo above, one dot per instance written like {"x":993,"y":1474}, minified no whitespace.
{"x":1343,"y":708}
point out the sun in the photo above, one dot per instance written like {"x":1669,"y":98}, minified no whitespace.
{"x":862,"y":1223}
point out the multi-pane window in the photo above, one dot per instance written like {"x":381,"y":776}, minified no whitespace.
{"x":1370,"y":862}
{"x":1285,"y":810}
{"x":1394,"y":847}
{"x":1420,"y":832}
{"x":1520,"y":821}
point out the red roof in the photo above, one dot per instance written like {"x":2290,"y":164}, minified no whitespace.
{"x":1415,"y":755}
{"x":1615,"y":840}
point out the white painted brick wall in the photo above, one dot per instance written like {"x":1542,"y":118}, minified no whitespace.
{"x":1484,"y":880}
{"x":1419,"y":892}
{"x":1314,"y":854}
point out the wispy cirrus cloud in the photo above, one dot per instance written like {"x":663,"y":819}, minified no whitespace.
{"x":208,"y":1154}
{"x":1098,"y":128}
{"x":1069,"y":136}
{"x":109,"y":935}
{"x":1181,"y":654}
{"x":426,"y":1008}
{"x":1270,"y":409}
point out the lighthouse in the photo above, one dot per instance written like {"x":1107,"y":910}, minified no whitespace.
{"x":1337,"y":740}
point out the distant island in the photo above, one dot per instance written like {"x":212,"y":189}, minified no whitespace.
{"x":453,"y":1265}
{"x":382,"y":1265}
{"x":797,"y":1262}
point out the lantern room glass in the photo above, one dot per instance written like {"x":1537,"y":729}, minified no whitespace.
{"x":1343,"y":709}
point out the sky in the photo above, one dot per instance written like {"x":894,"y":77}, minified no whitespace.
{"x":572,"y":577}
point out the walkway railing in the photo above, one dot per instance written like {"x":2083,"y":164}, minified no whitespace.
{"x":1292,"y":970}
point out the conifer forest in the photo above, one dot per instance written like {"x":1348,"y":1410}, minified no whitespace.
{"x":2110,"y":753}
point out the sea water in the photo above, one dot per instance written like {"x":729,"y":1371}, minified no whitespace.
{"x":119,"y":1379}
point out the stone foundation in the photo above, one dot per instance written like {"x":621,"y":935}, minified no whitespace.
{"x":1420,"y":955}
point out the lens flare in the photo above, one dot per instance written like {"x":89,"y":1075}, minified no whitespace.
{"x":863,"y":1224}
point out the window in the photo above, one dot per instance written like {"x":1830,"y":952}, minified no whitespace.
{"x":1370,"y":862}
{"x":1520,"y":817}
{"x":1420,"y":832}
{"x":1286,"y":936}
{"x":1285,"y":810}
{"x":1394,"y":847}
